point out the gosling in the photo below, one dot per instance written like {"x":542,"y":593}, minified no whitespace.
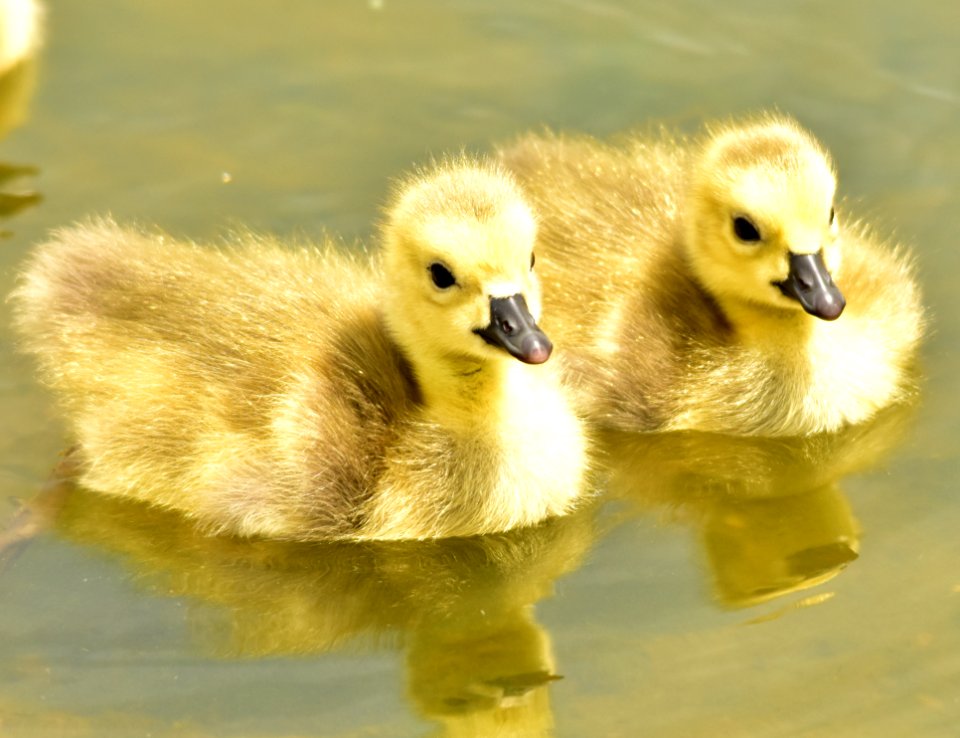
{"x":316,"y":393}
{"x":712,"y":284}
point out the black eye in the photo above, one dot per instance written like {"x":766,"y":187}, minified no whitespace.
{"x":442,"y":277}
{"x":833,"y":215}
{"x":746,"y":231}
{"x":533,"y":259}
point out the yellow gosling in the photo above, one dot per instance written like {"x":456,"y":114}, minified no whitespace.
{"x":313,"y":393}
{"x":714,"y":285}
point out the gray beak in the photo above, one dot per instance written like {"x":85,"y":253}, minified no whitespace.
{"x":513,"y":329}
{"x":809,"y":283}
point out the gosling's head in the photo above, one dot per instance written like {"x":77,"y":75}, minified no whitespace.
{"x":459,"y":267}
{"x":761,"y":225}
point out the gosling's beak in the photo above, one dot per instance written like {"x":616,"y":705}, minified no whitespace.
{"x":810,"y":284}
{"x":513,"y":329}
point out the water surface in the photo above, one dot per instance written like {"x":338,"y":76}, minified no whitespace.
{"x":725,"y":587}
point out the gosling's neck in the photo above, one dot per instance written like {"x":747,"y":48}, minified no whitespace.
{"x":466,"y":393}
{"x":783,"y":336}
{"x":515,"y":415}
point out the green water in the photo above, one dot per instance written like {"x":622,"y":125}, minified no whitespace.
{"x":676,"y":606}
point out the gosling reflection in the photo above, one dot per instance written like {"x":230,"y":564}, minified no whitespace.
{"x":762,"y":549}
{"x":770,"y":514}
{"x":477,"y":661}
{"x":19,"y":41}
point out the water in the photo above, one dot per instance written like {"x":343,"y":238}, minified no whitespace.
{"x":691,"y":602}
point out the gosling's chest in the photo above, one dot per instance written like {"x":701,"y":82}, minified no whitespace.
{"x":850,"y":374}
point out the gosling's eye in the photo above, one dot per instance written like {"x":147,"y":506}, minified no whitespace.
{"x":833,"y":215}
{"x":533,"y":259}
{"x":745,"y":230}
{"x":441,"y":276}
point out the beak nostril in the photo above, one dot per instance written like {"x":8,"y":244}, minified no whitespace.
{"x":507,"y":327}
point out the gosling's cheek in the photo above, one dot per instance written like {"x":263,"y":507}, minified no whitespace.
{"x":533,"y":291}
{"x":832,"y":256}
{"x":534,"y":304}
{"x":478,"y":315}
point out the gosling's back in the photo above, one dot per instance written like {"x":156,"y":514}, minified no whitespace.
{"x":254,"y":373}
{"x":656,"y":345}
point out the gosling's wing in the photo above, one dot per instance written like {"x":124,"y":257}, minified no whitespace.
{"x":99,"y":303}
{"x":236,"y":385}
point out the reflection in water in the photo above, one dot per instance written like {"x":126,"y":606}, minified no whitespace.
{"x":13,"y":202}
{"x":19,"y":38}
{"x":770,"y":513}
{"x":477,"y":661}
{"x":761,"y":549}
